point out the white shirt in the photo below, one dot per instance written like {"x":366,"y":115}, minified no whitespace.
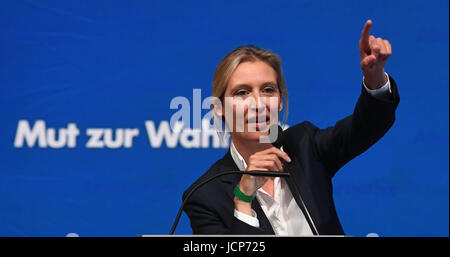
{"x":282,"y":210}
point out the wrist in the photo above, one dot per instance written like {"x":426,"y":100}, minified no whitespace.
{"x":375,"y":80}
{"x":243,"y":196}
{"x":242,"y":206}
{"x":246,"y":185}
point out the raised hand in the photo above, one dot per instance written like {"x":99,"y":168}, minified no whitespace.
{"x":374,"y":54}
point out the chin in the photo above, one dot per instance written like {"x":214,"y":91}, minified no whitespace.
{"x":251,"y":136}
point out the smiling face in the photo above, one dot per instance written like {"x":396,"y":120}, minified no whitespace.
{"x":252,"y":100}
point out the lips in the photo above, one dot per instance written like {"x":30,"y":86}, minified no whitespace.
{"x":259,"y":123}
{"x":258,"y":120}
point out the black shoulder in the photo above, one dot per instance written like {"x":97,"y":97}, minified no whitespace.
{"x":300,"y":130}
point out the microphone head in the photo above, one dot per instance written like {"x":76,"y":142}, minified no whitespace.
{"x":276,"y":135}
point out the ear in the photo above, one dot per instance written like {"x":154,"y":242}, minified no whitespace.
{"x":217,"y":112}
{"x":280,"y":106}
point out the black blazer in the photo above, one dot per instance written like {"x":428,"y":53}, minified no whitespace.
{"x":317,"y":155}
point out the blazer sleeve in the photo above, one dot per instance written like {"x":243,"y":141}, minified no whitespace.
{"x":351,"y":136}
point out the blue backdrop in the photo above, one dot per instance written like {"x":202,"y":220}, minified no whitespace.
{"x":72,"y":71}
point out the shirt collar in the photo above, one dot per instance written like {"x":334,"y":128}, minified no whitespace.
{"x":237,"y":158}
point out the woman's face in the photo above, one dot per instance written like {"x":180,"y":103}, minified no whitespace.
{"x":252,"y":100}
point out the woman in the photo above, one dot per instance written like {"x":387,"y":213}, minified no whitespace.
{"x":246,"y":81}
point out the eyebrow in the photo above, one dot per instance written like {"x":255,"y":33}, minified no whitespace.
{"x":267,"y":83}
{"x":270,"y":83}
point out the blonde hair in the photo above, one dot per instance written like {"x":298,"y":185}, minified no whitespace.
{"x":248,"y":53}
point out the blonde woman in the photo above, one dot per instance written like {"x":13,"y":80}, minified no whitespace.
{"x":245,"y":204}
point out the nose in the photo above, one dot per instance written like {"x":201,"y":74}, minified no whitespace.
{"x":257,"y":104}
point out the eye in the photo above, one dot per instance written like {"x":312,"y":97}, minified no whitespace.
{"x":269,"y":90}
{"x":241,"y":93}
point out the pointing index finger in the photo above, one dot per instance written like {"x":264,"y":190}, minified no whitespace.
{"x":366,"y":31}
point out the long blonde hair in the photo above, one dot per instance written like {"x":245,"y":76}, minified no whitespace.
{"x":248,"y":53}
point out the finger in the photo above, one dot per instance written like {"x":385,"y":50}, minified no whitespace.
{"x":372,"y":40}
{"x":367,"y":49}
{"x":253,"y":167}
{"x":383,"y":49}
{"x":374,"y":47}
{"x":277,"y":162}
{"x":366,"y":32}
{"x":388,"y":47}
{"x":266,"y":165}
{"x":282,"y":154}
{"x":278,"y":152}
